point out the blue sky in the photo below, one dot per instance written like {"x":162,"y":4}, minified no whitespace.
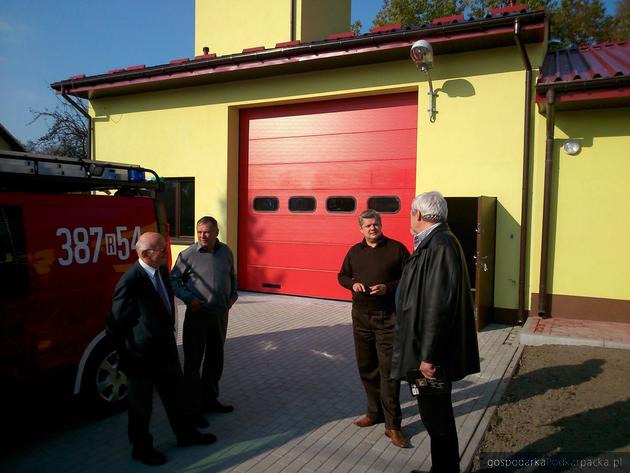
{"x":42,"y":41}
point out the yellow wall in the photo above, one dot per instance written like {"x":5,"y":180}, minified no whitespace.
{"x":589,"y":224}
{"x":320,"y":18}
{"x":474,"y":147}
{"x":229,"y":26}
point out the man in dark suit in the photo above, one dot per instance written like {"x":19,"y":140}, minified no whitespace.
{"x":435,"y":330}
{"x":141,"y":324}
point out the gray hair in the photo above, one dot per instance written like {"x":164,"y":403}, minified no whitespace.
{"x":431,"y":205}
{"x":207,"y":220}
{"x":369,"y":213}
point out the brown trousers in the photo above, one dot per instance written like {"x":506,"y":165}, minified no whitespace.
{"x":373,"y":342}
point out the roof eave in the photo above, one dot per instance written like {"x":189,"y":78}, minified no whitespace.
{"x":365,"y":49}
{"x":586,"y":94}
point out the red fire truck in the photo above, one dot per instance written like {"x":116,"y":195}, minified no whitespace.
{"x":68,"y":229}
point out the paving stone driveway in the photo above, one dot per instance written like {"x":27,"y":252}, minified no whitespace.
{"x":290,"y":372}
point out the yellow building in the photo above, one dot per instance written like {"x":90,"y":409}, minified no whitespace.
{"x":286,"y":135}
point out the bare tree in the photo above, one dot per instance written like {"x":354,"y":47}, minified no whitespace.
{"x":67,"y":133}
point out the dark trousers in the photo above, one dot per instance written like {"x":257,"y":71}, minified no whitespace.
{"x":437,"y":416}
{"x":373,"y":343}
{"x":165,"y":374}
{"x":204,"y":339}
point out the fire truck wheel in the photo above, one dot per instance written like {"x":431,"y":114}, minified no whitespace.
{"x":104,"y":384}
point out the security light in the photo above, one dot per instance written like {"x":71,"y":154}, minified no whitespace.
{"x":572,"y":147}
{"x":422,"y":55}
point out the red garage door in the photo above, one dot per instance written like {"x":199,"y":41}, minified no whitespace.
{"x":306,"y":172}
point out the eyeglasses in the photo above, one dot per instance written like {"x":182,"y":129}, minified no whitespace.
{"x":159,"y":250}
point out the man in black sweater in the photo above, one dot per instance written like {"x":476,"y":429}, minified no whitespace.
{"x":371,"y":270}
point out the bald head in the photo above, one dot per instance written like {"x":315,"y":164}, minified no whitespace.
{"x":151,"y":248}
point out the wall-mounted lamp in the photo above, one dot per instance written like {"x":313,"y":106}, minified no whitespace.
{"x":422,"y":55}
{"x":572,"y":147}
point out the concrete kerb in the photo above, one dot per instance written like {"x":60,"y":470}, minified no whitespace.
{"x":466,"y":460}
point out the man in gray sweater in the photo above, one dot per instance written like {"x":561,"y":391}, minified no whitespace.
{"x":204,"y":278}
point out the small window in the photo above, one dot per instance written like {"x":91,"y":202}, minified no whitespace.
{"x":178,"y":198}
{"x":302,"y":204}
{"x":266,"y":204}
{"x":384,"y":204}
{"x":341,"y":204}
{"x":13,"y":260}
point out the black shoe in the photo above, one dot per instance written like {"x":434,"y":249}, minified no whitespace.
{"x":148,"y":455}
{"x":197,"y":439}
{"x":218,"y":408}
{"x":201,"y":422}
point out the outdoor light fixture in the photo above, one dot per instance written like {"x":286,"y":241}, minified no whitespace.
{"x":572,"y":147}
{"x":422,"y":55}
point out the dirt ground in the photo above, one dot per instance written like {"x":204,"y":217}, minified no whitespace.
{"x":568,"y":406}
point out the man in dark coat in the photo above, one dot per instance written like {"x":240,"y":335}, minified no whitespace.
{"x":435,"y":330}
{"x":141,"y":324}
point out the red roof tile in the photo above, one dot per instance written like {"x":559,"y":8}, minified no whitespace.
{"x":347,"y":34}
{"x":179,"y":61}
{"x":600,"y":61}
{"x":255,"y":49}
{"x":446,"y":20}
{"x":205,"y":56}
{"x":385,"y":28}
{"x":508,"y":10}
{"x":288,"y":44}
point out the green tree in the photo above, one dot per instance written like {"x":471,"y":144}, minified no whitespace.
{"x":621,"y":21}
{"x":480,"y":8}
{"x":578,"y":22}
{"x":572,"y":22}
{"x":416,"y":12}
{"x":356,"y":26}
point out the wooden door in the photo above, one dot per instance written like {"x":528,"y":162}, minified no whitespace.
{"x":484,"y":260}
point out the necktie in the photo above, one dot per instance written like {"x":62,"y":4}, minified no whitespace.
{"x":161,"y":290}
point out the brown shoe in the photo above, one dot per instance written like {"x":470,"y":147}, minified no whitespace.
{"x":420,"y":471}
{"x":397,"y":438}
{"x":366,"y":421}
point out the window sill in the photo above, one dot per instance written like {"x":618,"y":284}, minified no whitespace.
{"x":182,"y":240}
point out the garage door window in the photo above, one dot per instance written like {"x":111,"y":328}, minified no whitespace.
{"x":266,"y":204}
{"x":341,"y":204}
{"x":384,"y":204}
{"x":302,"y":204}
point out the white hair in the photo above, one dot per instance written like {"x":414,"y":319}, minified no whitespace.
{"x":432,"y":206}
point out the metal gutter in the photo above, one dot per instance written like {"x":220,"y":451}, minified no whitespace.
{"x":605,"y":83}
{"x":526,"y":165}
{"x":543,"y":300}
{"x":314,"y":48}
{"x":293,"y":20}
